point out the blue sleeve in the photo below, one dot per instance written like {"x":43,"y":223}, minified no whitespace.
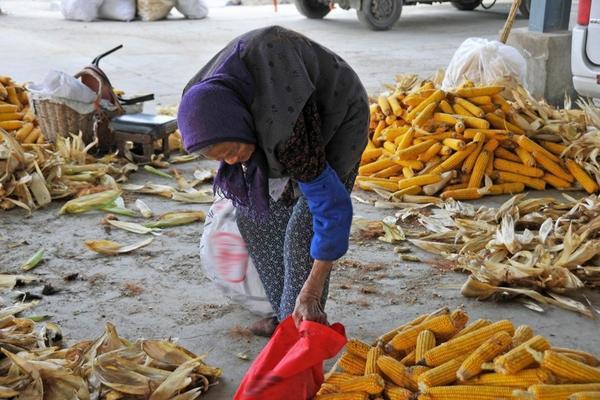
{"x":331,"y":208}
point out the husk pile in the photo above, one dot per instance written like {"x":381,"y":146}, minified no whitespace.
{"x":34,"y":366}
{"x":544,"y":249}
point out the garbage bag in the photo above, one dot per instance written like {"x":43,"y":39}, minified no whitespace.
{"x":153,"y":10}
{"x":290,"y":367}
{"x":484,"y":62}
{"x":118,"y":10}
{"x":193,"y":9}
{"x":80,"y":10}
{"x":225,"y":260}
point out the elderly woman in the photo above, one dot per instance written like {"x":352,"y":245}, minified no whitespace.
{"x":288,"y":119}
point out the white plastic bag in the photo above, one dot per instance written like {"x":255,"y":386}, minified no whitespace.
{"x":66,"y":89}
{"x":226,"y":262}
{"x":484,"y":62}
{"x":118,"y":10}
{"x":80,"y":10}
{"x":194,"y":9}
{"x":153,"y":10}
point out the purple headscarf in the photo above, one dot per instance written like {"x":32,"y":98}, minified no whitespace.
{"x":217,"y":109}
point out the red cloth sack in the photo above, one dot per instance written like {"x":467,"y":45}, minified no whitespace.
{"x":290,"y":367}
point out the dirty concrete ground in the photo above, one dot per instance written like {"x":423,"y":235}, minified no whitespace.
{"x":161,"y":291}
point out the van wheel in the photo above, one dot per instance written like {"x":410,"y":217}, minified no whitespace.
{"x":379,"y":15}
{"x":466,"y":5}
{"x":312,"y":9}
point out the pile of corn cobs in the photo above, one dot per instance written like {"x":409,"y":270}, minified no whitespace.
{"x":440,"y":356}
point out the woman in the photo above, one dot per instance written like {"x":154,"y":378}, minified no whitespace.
{"x":288,"y":119}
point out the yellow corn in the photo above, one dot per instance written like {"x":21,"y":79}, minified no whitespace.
{"x":358,"y":348}
{"x":501,"y":152}
{"x":441,"y":375}
{"x":367,"y":183}
{"x":343,"y":396}
{"x":392,"y":171}
{"x":454,"y":144}
{"x":13,"y":98}
{"x":555,"y":181}
{"x":446,"y":107}
{"x":389,"y":146}
{"x":468,"y":193}
{"x":479,"y":169}
{"x":469,"y":392}
{"x":522,"y":334}
{"x":375,"y":166}
{"x":461,"y":111}
{"x":11,"y":125}
{"x":435,"y":97}
{"x":395,"y":105}
{"x":582,"y":176}
{"x":571,"y":370}
{"x":336,"y":378}
{"x":484,"y":353}
{"x":445,"y":150}
{"x":465,"y":343}
{"x":469,"y":162}
{"x":446,"y":118}
{"x":525,"y":156}
{"x":352,"y":364}
{"x":407,"y":172}
{"x":500,"y":123}
{"x":533,"y":147}
{"x":396,"y":372}
{"x":424,"y":115}
{"x":384,"y":105}
{"x":370,"y":155}
{"x":16,"y":116}
{"x":371,"y":366}
{"x":559,"y":392}
{"x":425,"y":342}
{"x":397,"y":393}
{"x":534,"y":183}
{"x":8,"y":108}
{"x":479,"y":91}
{"x":417,"y":370}
{"x":410,"y":358}
{"x":470,"y":107}
{"x":474,"y":122}
{"x":377,"y":133}
{"x":386,"y":337}
{"x":391,"y":134}
{"x":499,"y":100}
{"x":520,"y":358}
{"x":481,"y":100}
{"x":521,"y":169}
{"x":520,"y":380}
{"x":420,"y":180}
{"x":407,"y":338}
{"x":327,"y":388}
{"x":414,"y":151}
{"x":33,"y":136}
{"x":371,"y":384}
{"x":475,"y":325}
{"x":455,"y":159}
{"x":590,"y":359}
{"x":554,"y":148}
{"x":552,"y":167}
{"x":431,"y":152}
{"x":585,"y":396}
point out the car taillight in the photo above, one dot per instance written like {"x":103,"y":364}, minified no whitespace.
{"x":583,"y":14}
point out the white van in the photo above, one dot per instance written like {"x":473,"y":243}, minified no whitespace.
{"x":585,"y":50}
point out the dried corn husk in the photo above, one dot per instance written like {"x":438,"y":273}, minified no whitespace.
{"x":110,"y":248}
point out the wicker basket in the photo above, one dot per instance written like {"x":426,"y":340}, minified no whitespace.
{"x":58,"y":119}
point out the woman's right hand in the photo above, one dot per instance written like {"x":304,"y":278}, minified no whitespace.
{"x":308,"y":308}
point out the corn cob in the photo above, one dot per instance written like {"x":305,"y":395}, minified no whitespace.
{"x":384,"y":105}
{"x":371,"y":384}
{"x":337,"y":378}
{"x":501,"y":152}
{"x":454,"y":144}
{"x":525,"y":156}
{"x":477,"y":123}
{"x":344,"y":396}
{"x":407,"y":339}
{"x":479,"y":91}
{"x":533,"y":147}
{"x":396,"y":372}
{"x":443,"y":374}
{"x":552,"y":167}
{"x":465,"y":343}
{"x":375,"y":166}
{"x":534,"y":183}
{"x":462,"y":111}
{"x":389,"y":146}
{"x":479,"y":169}
{"x":506,"y":188}
{"x":358,"y":348}
{"x":521,"y":169}
{"x":33,"y":136}
{"x":371,"y":366}
{"x":455,"y":159}
{"x":370,"y":155}
{"x":386,"y":337}
{"x":499,"y":100}
{"x":327,"y":388}
{"x":481,"y":100}
{"x":469,"y":162}
{"x":395,"y":105}
{"x":414,"y":151}
{"x":410,"y":358}
{"x":11,"y":125}
{"x":424,"y":115}
{"x":469,"y":392}
{"x":420,"y":180}
{"x":435,"y":97}
{"x":397,"y":393}
{"x":11,"y":116}
{"x":590,"y":359}
{"x":470,"y":107}
{"x":556,"y":392}
{"x":554,"y":148}
{"x":520,"y":380}
{"x":405,"y":140}
{"x":7,"y":108}
{"x":445,"y":150}
{"x":489,"y":168}
{"x":484,"y":353}
{"x":388,"y":172}
{"x":468,"y":193}
{"x":520,"y":358}
{"x":446,"y":118}
{"x":13,"y":98}
{"x":571,"y":370}
{"x":430,"y":152}
{"x":425,"y":342}
{"x":522,"y":334}
{"x":475,"y":325}
{"x":582,"y":176}
{"x":370,"y":183}
{"x":446,"y":107}
{"x":585,"y":396}
{"x":500,"y":123}
{"x":417,"y":370}
{"x":352,"y":364}
{"x":555,"y":181}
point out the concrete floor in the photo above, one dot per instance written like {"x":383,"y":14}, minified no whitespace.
{"x":177,"y":299}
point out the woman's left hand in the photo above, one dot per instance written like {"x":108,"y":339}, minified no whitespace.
{"x":308,"y":308}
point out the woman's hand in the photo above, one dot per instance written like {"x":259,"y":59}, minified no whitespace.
{"x":308,"y":304}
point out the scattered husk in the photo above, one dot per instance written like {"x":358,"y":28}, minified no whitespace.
{"x":111,"y":248}
{"x":176,"y":218}
{"x":33,"y":261}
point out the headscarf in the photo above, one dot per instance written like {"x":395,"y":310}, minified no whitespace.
{"x":216,"y":110}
